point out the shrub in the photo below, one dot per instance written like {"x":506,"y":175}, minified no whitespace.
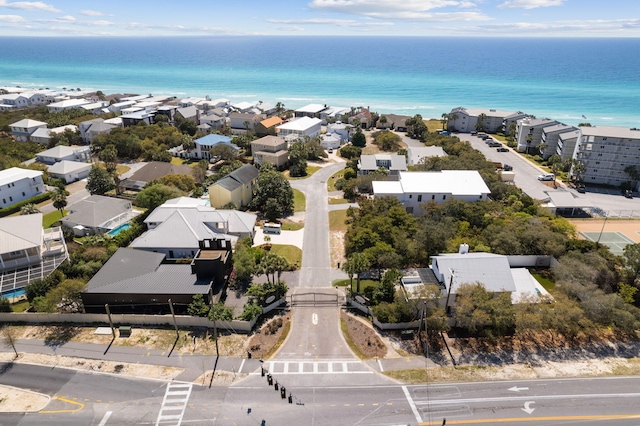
{"x":251,"y":310}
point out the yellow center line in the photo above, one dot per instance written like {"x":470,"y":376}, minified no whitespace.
{"x":63,"y":411}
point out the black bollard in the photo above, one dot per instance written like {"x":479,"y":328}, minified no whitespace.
{"x":290,"y":399}
{"x":248,"y":355}
{"x":283,"y":392}
{"x":276,"y":385}
{"x":269,"y":379}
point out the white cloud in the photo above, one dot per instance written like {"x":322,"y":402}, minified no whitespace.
{"x":583,"y":28}
{"x":28,"y":5}
{"x":409,"y":10}
{"x":91,"y":13}
{"x":67,"y":18}
{"x":12,"y":19}
{"x":529,"y":4}
{"x":291,"y":28}
{"x":335,"y":22}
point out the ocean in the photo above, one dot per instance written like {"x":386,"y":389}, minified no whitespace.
{"x":561,"y":78}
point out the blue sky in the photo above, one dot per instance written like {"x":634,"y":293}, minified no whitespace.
{"x":504,"y":18}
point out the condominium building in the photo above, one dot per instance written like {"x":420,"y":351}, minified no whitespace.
{"x":606,"y":152}
{"x":529,"y":133}
{"x":471,"y":119}
{"x":551,"y":136}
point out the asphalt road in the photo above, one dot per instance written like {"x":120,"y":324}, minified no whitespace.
{"x":80,"y":398}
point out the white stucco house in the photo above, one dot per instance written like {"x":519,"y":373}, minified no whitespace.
{"x":414,"y":189}
{"x":18,"y":184}
{"x":23,"y":129}
{"x":300,"y":128}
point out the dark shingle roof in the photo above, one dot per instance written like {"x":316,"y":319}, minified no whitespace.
{"x":245,"y":174}
{"x":157,"y":169}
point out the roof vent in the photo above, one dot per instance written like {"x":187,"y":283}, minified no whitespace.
{"x":464,"y":249}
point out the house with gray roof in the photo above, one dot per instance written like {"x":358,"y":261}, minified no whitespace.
{"x":176,"y":227}
{"x":23,"y":129}
{"x":237,"y":187}
{"x":416,"y":155}
{"x":69,"y":171}
{"x":152,"y":171}
{"x":394,"y":163}
{"x":190,"y":113}
{"x":98,"y":215}
{"x":63,"y":152}
{"x":138,"y":281}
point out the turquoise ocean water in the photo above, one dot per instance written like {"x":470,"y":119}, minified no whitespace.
{"x":563,"y":79}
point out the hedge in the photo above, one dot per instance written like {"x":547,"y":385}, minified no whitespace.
{"x":16,"y":207}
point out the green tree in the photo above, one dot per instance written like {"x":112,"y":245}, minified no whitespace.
{"x":274,"y":196}
{"x":481,"y":311}
{"x":631,"y":255}
{"x":10,"y":337}
{"x":577,"y":170}
{"x":109,"y":155}
{"x":416,"y":127}
{"x":154,"y":195}
{"x":298,"y":159}
{"x":65,"y":297}
{"x":358,"y":139}
{"x":244,"y":261}
{"x":187,"y":143}
{"x":223,"y":152}
{"x":60,"y":200}
{"x":386,"y":290}
{"x":387,"y":141}
{"x":99,"y":181}
{"x":198,"y":306}
{"x":480,"y":123}
{"x":184,"y":183}
{"x":220,"y":312}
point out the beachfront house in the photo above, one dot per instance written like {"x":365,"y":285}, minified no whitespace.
{"x":236,"y":188}
{"x":414,"y":189}
{"x":299,"y":129}
{"x":27,"y":251}
{"x":23,"y":129}
{"x":270,"y":149}
{"x":268,"y":126}
{"x":18,"y":184}
{"x":67,"y":104}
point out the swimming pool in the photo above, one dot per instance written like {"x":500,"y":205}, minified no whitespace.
{"x":119,"y":229}
{"x":14,"y":293}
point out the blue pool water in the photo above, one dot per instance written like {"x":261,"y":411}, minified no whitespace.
{"x":119,"y":229}
{"x":14,"y":293}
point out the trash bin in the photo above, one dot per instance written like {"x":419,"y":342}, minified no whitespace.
{"x":124,"y":331}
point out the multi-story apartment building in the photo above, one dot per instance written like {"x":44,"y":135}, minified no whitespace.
{"x":567,"y":144}
{"x":606,"y":152}
{"x":471,"y":119}
{"x":550,"y":137}
{"x":529,"y":133}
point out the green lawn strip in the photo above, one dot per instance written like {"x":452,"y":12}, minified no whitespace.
{"x":299,"y":201}
{"x":434,"y":125}
{"x":349,"y":340}
{"x":337,"y":219}
{"x":310,"y":171}
{"x":292,"y":253}
{"x":546,"y":282}
{"x":51,"y":218}
{"x":20,"y":306}
{"x":286,"y":327}
{"x":331,"y":182}
{"x":363,"y":283}
{"x":292,"y":226}
{"x":338,"y":201}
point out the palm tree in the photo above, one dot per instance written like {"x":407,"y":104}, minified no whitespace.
{"x":60,"y":200}
{"x":29,"y":209}
{"x":542,"y":148}
{"x":480,"y":122}
{"x":444,"y":119}
{"x":577,"y":169}
{"x":359,"y":263}
{"x":452,"y":117}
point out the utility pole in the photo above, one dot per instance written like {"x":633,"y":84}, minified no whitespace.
{"x":113,"y":330}
{"x":446,"y":305}
{"x":174,"y":318}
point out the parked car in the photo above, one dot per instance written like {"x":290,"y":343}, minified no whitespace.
{"x":494,"y":144}
{"x":547,"y":176}
{"x":503,"y":149}
{"x":444,"y":132}
{"x":581,"y":188}
{"x":628,"y":193}
{"x":330,"y":150}
{"x":474,"y":133}
{"x":507,"y":168}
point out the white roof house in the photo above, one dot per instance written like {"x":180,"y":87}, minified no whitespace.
{"x":300,"y":128}
{"x":67,"y":104}
{"x":311,"y":110}
{"x":416,"y":188}
{"x":23,"y":129}
{"x":417,"y":154}
{"x":70,"y":171}
{"x":18,"y":184}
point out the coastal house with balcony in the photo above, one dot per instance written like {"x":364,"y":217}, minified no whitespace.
{"x":299,"y":129}
{"x":268,"y":126}
{"x":23,"y":129}
{"x":241,"y":122}
{"x":27,"y":251}
{"x":414,"y":189}
{"x":18,"y":184}
{"x":98,"y":215}
{"x":311,"y":111}
{"x":270,"y":149}
{"x":606,"y":151}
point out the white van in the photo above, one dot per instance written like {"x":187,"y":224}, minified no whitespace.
{"x":271,"y":228}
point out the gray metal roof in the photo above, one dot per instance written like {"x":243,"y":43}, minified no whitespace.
{"x":492,"y":270}
{"x":132,"y":271}
{"x":95,"y":210}
{"x":20,"y":232}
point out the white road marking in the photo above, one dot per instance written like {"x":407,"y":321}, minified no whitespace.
{"x":105,"y":418}
{"x":527,"y":407}
{"x":412,"y":404}
{"x":314,"y":319}
{"x":316,"y":367}
{"x":175,"y":399}
{"x":241,"y":365}
{"x":380,"y":365}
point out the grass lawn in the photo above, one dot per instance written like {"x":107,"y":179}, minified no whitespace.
{"x":292,"y":253}
{"x":20,"y":306}
{"x":499,"y":137}
{"x":434,"y":125}
{"x":363,"y":284}
{"x":338,"y":201}
{"x":51,"y":218}
{"x":120,"y":169}
{"x":337,"y":220}
{"x":291,"y":226}
{"x":310,"y":171}
{"x":545,"y":282}
{"x":331,"y":182}
{"x":177,"y":161}
{"x":299,"y":201}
